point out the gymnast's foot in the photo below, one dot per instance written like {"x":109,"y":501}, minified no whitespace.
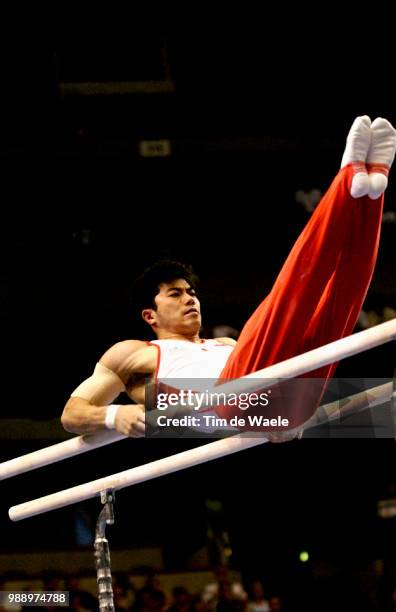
{"x":380,"y":156}
{"x":355,"y":154}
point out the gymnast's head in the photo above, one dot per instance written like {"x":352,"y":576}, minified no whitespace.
{"x":165,"y":296}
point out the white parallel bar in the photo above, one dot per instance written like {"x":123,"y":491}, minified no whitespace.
{"x":312,"y":360}
{"x":57,"y":452}
{"x":324,"y":355}
{"x":351,"y":405}
{"x":189,"y":458}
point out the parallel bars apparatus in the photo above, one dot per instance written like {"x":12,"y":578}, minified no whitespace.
{"x":290,"y":368}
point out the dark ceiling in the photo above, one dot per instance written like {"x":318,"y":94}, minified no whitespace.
{"x":114,"y":84}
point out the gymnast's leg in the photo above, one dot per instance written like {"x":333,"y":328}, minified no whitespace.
{"x":321,"y":287}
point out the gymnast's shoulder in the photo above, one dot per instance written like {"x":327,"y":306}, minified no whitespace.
{"x":130,"y":357}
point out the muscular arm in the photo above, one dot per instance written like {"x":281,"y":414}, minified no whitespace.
{"x":81,"y":417}
{"x":85,"y":411}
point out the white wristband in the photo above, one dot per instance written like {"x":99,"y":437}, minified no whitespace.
{"x":111,"y":416}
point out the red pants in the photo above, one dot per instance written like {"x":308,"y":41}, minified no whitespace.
{"x":319,"y":292}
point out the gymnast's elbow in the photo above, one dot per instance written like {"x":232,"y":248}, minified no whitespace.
{"x":68,"y":417}
{"x":77,"y":416}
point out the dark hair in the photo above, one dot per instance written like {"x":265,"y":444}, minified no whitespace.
{"x":146,"y":286}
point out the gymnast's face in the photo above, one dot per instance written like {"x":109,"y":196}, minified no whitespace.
{"x":178,"y":310}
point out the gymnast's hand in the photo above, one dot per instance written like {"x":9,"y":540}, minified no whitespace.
{"x":130,"y":420}
{"x":284,"y":436}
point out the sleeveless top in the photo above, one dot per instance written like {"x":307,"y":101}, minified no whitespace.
{"x":203,"y":362}
{"x":183,"y":359}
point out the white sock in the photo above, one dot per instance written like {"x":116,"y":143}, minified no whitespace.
{"x":358,"y":141}
{"x":380,"y":156}
{"x":356,"y":150}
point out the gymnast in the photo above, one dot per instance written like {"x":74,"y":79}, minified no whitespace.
{"x":316,"y":299}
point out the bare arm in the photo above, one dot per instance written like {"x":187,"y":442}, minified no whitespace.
{"x":81,"y":417}
{"x":86,"y":410}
